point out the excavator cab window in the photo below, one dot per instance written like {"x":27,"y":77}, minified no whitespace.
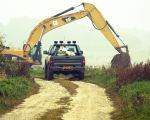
{"x":35,"y":53}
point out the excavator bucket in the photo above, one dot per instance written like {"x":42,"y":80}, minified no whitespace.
{"x":121,"y":60}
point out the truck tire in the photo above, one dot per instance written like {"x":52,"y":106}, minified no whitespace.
{"x":50,"y":75}
{"x":81,"y":75}
{"x":45,"y":72}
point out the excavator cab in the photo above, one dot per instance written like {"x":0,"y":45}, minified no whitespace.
{"x":35,"y":53}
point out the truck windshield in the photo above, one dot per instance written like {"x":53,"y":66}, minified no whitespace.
{"x":62,"y":50}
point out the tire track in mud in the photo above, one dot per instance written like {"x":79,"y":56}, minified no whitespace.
{"x":90,"y":102}
{"x":37,"y":105}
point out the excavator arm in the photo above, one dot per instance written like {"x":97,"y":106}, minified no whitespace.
{"x":90,"y":10}
{"x":60,"y":19}
{"x":103,"y":26}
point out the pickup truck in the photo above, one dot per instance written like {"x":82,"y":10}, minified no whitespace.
{"x":64,"y":58}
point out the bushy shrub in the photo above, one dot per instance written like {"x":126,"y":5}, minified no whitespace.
{"x":137,"y":72}
{"x":12,"y":68}
{"x":17,"y":69}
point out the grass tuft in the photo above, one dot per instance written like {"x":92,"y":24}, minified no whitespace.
{"x":68,"y":85}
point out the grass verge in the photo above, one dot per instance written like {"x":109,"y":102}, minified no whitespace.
{"x":14,"y":90}
{"x":132,"y":101}
{"x":135,"y":99}
{"x":37,"y":72}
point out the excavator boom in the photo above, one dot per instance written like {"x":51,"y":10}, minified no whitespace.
{"x":50,"y":24}
{"x":57,"y":20}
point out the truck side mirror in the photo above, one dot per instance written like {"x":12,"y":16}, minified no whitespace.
{"x":45,"y":52}
{"x":81,"y":52}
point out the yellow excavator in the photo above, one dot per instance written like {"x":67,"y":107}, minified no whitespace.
{"x":31,"y":50}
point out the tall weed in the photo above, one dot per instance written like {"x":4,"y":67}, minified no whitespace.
{"x":137,"y":72}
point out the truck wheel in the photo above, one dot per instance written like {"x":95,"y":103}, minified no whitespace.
{"x":81,"y":75}
{"x":49,"y":75}
{"x":45,"y":72}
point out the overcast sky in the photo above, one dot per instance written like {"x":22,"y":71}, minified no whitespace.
{"x":130,"y":18}
{"x":125,"y":13}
